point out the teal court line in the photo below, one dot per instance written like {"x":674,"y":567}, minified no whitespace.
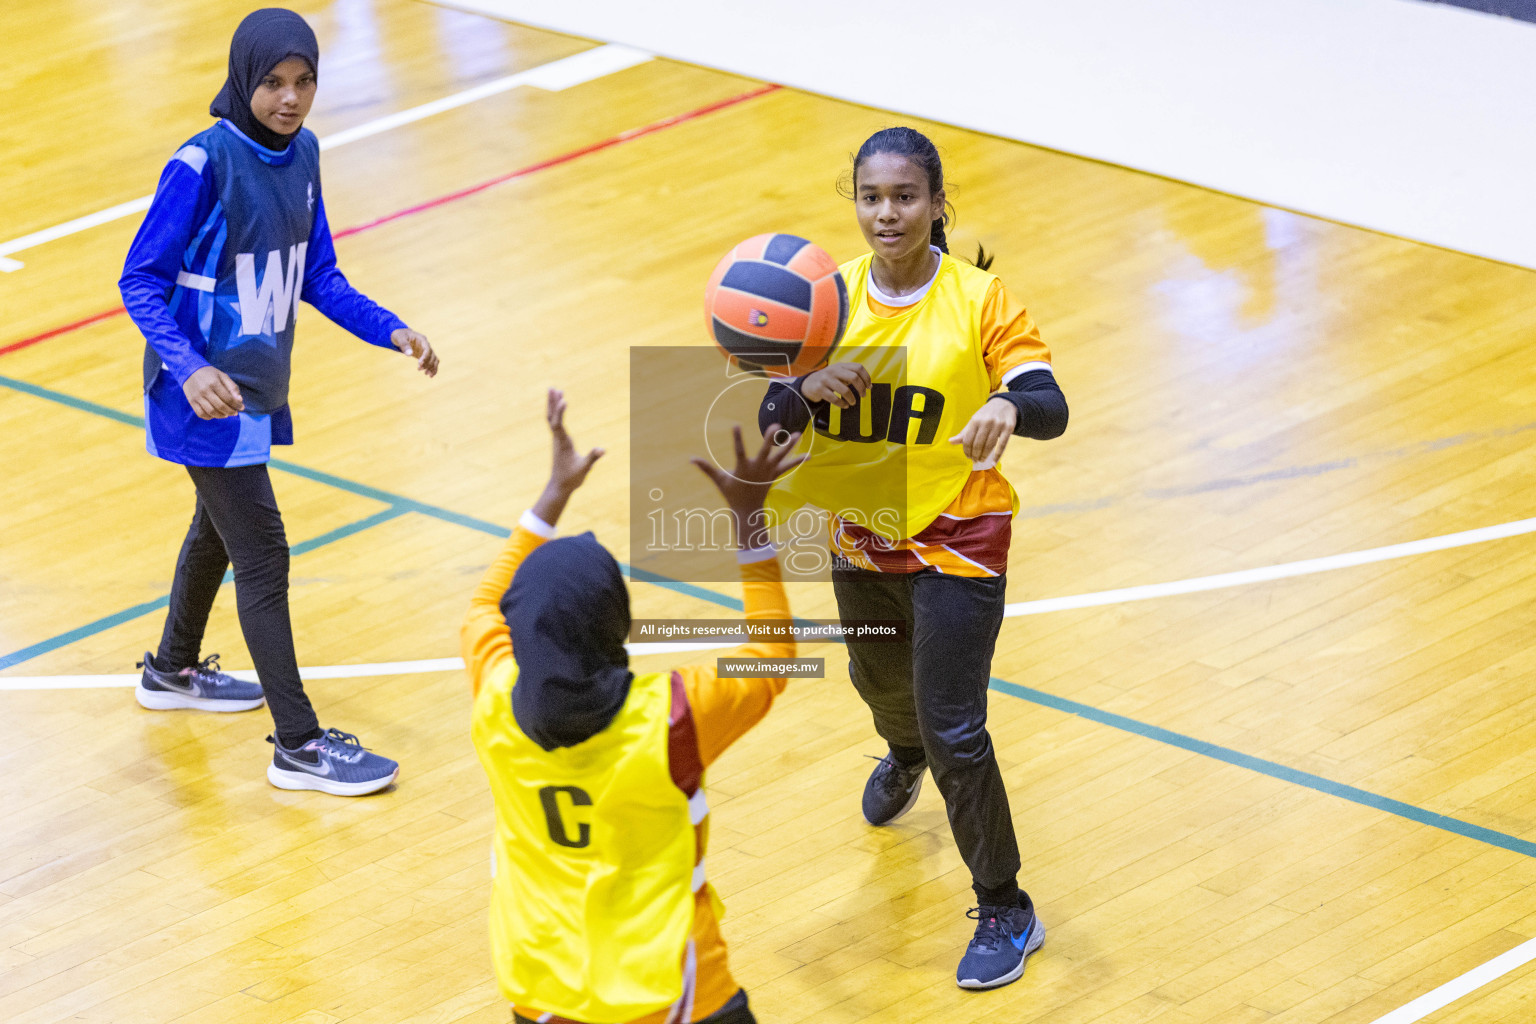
{"x":397,"y":500}
{"x":1270,"y":768}
{"x":164,"y":600}
{"x":399,"y":505}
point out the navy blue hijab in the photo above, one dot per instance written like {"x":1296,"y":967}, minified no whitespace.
{"x":568,"y":611}
{"x":264,"y":40}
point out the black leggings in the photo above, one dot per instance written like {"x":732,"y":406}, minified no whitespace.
{"x":237,"y":519}
{"x":930,"y":693}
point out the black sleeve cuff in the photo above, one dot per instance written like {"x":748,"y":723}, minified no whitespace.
{"x":785,"y":405}
{"x":1042,"y":407}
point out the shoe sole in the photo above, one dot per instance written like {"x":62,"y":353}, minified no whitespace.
{"x":1035,"y":941}
{"x":284,"y":779}
{"x":167,"y":700}
{"x":911,"y":800}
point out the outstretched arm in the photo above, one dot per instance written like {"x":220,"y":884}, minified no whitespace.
{"x":328,"y":290}
{"x":484,"y":638}
{"x":725,"y":708}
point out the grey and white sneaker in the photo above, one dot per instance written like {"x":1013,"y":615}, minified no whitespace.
{"x":336,"y":763}
{"x":201,"y":686}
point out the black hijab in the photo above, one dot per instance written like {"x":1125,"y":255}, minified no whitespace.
{"x":264,"y":40}
{"x":568,"y":610}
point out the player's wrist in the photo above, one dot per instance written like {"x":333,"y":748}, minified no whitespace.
{"x":536,"y":524}
{"x":552,"y":501}
{"x":751,"y":525}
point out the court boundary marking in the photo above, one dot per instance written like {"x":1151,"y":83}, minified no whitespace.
{"x":398,"y":505}
{"x":1273,"y":769}
{"x":552,"y":76}
{"x":1278,"y":571}
{"x":1461,"y":985}
{"x":627,"y":135}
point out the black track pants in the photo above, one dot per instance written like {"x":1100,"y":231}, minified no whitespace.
{"x":237,"y":520}
{"x":931,"y":692}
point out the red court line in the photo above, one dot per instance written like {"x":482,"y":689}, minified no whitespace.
{"x":608,"y":143}
{"x":66,"y":329}
{"x":625,"y":136}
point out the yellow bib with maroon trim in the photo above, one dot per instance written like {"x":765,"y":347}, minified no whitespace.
{"x":592,"y":904}
{"x":887,"y":464}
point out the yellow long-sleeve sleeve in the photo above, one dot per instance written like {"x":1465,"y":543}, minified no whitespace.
{"x":484,"y":641}
{"x":724,"y":709}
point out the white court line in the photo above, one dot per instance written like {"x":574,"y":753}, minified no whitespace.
{"x":1282,"y":571}
{"x":1409,"y":1013}
{"x":1454,"y":989}
{"x":553,"y":77}
{"x":1054,"y":604}
{"x":382,"y":668}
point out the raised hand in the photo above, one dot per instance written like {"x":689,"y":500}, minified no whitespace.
{"x":567,"y":468}
{"x":745,"y":487}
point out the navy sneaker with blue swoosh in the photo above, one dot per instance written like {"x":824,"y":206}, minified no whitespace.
{"x":201,"y":686}
{"x":336,"y":763}
{"x":1005,"y":936}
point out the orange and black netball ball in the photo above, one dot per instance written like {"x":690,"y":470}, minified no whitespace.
{"x":776,"y":304}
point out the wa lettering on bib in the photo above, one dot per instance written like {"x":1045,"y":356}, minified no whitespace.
{"x":886,"y":463}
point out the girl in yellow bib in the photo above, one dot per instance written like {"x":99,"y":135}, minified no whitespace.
{"x":601,"y":911}
{"x":945,"y":366}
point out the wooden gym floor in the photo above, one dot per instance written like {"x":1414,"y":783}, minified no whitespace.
{"x":1311,"y":799}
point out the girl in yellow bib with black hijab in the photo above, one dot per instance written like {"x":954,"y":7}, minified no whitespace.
{"x":945,"y":366}
{"x":602,"y":911}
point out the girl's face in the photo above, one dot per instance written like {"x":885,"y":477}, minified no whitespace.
{"x":282,"y":101}
{"x":896,"y":210}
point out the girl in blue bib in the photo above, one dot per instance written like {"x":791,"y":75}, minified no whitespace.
{"x":236,"y":235}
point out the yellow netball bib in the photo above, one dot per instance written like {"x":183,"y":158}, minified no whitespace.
{"x":887,"y":464}
{"x":593,"y":901}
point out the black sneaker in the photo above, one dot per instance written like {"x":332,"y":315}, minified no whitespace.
{"x":1005,"y":936}
{"x":891,"y":790}
{"x":201,"y":686}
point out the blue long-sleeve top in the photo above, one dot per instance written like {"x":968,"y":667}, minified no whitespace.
{"x":210,"y":280}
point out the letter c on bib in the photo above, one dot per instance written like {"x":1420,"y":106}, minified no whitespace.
{"x":549,"y":796}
